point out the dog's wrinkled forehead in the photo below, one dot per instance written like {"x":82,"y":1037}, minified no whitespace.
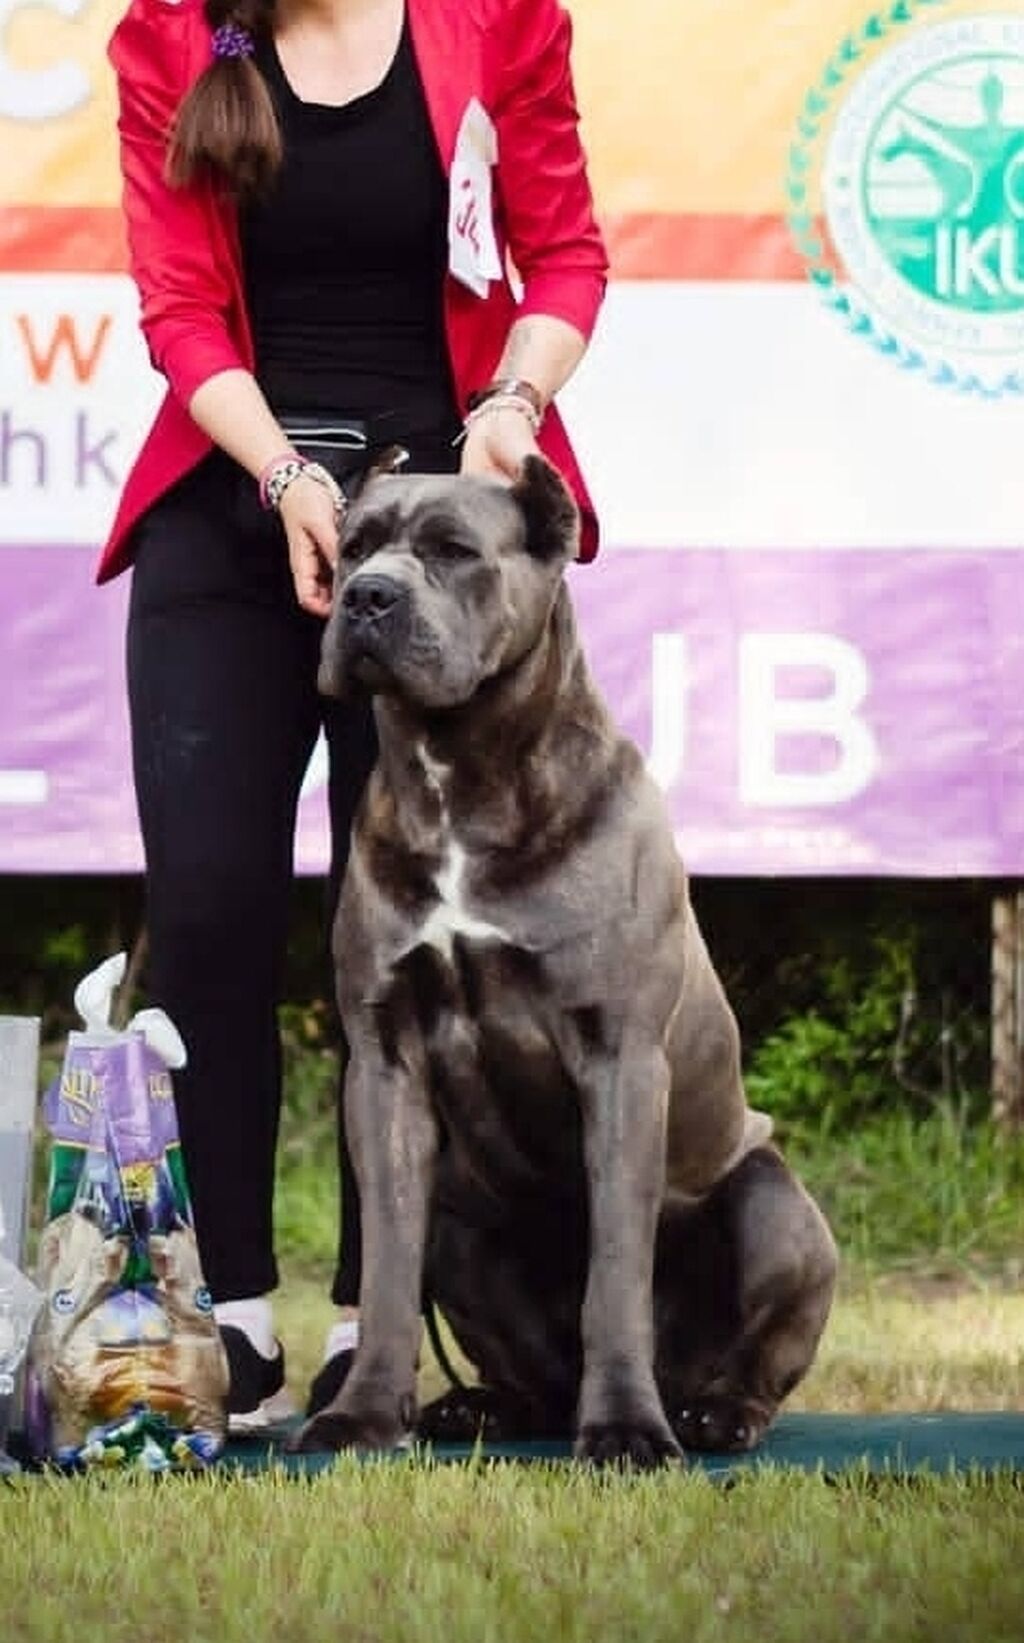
{"x":419,"y":513}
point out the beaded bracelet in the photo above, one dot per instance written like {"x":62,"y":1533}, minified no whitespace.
{"x":503,"y":402}
{"x":507,"y":388}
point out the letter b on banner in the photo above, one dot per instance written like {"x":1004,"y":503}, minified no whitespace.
{"x":766,"y":717}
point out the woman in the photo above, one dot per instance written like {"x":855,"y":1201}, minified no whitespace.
{"x":320,"y":196}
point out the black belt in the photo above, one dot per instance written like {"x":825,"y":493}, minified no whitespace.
{"x":350,"y":447}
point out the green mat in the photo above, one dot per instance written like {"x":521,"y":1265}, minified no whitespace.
{"x":883,"y":1444}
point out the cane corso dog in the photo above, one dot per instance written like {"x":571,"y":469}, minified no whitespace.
{"x":543,"y":1098}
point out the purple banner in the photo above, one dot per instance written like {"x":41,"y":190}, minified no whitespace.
{"x":828,"y":711}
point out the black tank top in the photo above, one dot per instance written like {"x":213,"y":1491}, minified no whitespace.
{"x":344,"y":261}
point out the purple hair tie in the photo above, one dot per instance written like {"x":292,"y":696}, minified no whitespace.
{"x":232,"y":40}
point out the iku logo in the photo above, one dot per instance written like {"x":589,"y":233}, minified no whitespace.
{"x":914,"y":147}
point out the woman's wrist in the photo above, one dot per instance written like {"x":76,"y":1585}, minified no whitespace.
{"x":505,"y":394}
{"x":270,"y":473}
{"x":281,"y":472}
{"x":516,"y":388}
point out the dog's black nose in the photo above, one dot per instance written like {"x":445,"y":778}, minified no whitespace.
{"x":367,"y":598}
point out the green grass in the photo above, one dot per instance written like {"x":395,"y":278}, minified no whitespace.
{"x":412,"y":1552}
{"x":930,"y":1316}
{"x":935,"y":1196}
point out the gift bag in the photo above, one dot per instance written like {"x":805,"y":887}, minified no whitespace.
{"x":126,"y":1362}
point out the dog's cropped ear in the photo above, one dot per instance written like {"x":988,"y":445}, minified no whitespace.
{"x":551,"y":516}
{"x":390,"y":461}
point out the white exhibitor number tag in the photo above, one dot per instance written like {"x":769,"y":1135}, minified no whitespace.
{"x":472,"y":248}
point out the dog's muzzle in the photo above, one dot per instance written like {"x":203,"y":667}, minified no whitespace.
{"x":375,"y":616}
{"x":371,"y":600}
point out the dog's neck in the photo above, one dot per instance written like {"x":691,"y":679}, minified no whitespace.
{"x":484,"y":769}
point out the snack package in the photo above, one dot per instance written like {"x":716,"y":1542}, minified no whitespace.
{"x":126,"y":1364}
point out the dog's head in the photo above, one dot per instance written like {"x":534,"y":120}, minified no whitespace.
{"x":443,"y":582}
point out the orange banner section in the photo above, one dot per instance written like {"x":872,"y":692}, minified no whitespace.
{"x":62,"y":239}
{"x":685,"y":245}
{"x":643,"y":245}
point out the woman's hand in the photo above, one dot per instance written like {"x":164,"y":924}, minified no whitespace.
{"x":311,"y":526}
{"x":496,"y":445}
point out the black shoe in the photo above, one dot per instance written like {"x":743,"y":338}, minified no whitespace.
{"x":328,"y":1381}
{"x":256,"y":1391}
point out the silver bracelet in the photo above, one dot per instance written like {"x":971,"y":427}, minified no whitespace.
{"x":503,"y":402}
{"x":286,"y":473}
{"x":316,"y":470}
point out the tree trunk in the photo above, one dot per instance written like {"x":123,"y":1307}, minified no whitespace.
{"x":1008,"y":1009}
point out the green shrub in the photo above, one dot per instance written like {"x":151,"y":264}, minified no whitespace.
{"x":875,"y":1041}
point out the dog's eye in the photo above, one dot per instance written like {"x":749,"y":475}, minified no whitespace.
{"x":451,"y":547}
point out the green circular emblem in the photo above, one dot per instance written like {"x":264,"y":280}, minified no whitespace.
{"x":913,"y":141}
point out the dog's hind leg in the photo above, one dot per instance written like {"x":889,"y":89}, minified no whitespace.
{"x":743,"y":1289}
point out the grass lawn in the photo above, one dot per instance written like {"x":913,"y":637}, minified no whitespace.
{"x":930,"y":1316}
{"x":403,"y":1552}
{"x":380,"y":1553}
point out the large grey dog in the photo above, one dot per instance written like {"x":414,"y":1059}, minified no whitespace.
{"x":543,"y":1098}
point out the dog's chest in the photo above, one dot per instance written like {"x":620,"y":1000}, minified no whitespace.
{"x":480,"y":1008}
{"x":480,"y":1002}
{"x":451,"y":914}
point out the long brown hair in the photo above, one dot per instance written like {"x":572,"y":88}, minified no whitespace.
{"x":226,"y":128}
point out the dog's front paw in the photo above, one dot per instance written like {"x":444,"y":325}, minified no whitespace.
{"x":721,"y":1425}
{"x":641,"y":1445}
{"x":334,"y":1429}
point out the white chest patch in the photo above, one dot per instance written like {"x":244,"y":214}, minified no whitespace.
{"x":451,"y":917}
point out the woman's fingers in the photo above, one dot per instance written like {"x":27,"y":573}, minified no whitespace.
{"x":311,"y":574}
{"x":312,"y":532}
{"x":497,"y":445}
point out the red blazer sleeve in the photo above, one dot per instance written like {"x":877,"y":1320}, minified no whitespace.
{"x":542,"y":181}
{"x":176,"y":254}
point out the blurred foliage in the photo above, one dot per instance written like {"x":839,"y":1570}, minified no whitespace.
{"x":864,"y":1011}
{"x":853,"y":995}
{"x":856,"y":997}
{"x":872,"y":1043}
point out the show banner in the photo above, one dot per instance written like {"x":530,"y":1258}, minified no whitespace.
{"x":802,"y":416}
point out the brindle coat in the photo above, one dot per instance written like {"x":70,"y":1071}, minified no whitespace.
{"x":543,"y":1098}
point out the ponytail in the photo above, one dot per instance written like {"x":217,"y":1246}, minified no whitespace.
{"x":226,"y":128}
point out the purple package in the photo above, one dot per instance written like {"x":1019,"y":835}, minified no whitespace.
{"x":127,"y":1328}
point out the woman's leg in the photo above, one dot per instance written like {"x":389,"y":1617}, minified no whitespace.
{"x":221,"y":667}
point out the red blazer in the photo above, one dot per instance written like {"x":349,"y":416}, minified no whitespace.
{"x":511,"y":54}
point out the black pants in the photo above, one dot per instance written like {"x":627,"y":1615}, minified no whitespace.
{"x":224,"y":708}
